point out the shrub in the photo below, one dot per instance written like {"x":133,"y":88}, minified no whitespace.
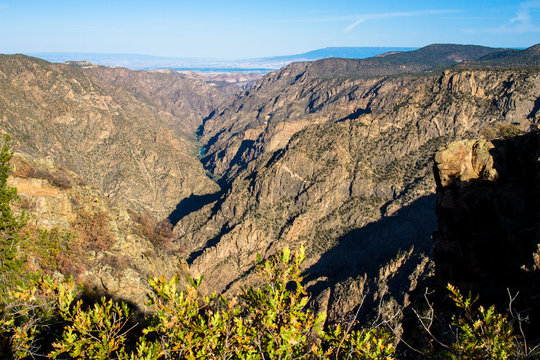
{"x":159,"y":233}
{"x":30,"y":315}
{"x":93,"y":230}
{"x":266,"y":322}
{"x":480,"y":333}
{"x":277,"y":323}
{"x":49,"y":249}
{"x":97,"y":332}
{"x":57,"y":178}
{"x":500,"y":130}
{"x":508,"y":130}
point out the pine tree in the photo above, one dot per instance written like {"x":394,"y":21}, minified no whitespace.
{"x":11,"y":266}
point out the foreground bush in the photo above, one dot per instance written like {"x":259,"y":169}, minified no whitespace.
{"x":49,"y":320}
{"x":268,"y":322}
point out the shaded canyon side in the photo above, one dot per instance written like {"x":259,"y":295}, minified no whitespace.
{"x":488,"y":213}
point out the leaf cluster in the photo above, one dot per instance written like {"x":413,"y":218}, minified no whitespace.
{"x":268,"y":322}
{"x":480,"y":333}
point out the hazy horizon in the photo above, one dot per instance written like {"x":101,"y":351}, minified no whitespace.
{"x":245,"y":30}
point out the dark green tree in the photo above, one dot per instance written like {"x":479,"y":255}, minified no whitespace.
{"x":12,"y":269}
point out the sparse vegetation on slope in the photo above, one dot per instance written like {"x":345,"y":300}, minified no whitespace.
{"x":127,"y":147}
{"x":345,"y":169}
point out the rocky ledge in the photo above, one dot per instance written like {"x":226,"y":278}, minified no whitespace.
{"x":488,"y":213}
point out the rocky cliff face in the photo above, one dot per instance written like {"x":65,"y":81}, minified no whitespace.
{"x":339,"y":164}
{"x":185,"y":101}
{"x":265,"y":118}
{"x":99,"y":241}
{"x":487,"y":208}
{"x":343,"y":167}
{"x":124,"y":146}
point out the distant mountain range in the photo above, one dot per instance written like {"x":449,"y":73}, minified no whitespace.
{"x":262,"y":65}
{"x":276,"y":62}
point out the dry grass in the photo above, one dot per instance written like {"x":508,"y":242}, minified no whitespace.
{"x":58,"y":178}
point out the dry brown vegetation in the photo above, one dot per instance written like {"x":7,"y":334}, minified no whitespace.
{"x":93,"y":230}
{"x":160,"y":233}
{"x":57,"y":178}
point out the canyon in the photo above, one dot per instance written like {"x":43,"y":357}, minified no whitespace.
{"x":335,"y":155}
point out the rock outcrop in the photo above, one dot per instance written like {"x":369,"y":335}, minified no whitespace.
{"x":97,"y":240}
{"x":488,"y":238}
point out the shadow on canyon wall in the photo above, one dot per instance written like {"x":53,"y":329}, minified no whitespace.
{"x":192,"y":204}
{"x":364,"y":250}
{"x":488,"y":234}
{"x":489,"y":228}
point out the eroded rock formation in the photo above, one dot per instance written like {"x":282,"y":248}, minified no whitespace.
{"x":488,"y":210}
{"x":99,"y":241}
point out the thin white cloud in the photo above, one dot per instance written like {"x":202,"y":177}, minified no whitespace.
{"x":3,"y":6}
{"x":363,"y":18}
{"x":353,"y":25}
{"x":522,"y":22}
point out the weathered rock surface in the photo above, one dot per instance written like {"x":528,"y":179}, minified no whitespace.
{"x":99,"y":241}
{"x":185,"y":101}
{"x":285,"y":102}
{"x":488,"y":237}
{"x":343,"y":167}
{"x":124,"y":146}
{"x":488,"y":214}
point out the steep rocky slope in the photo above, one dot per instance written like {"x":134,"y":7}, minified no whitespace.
{"x":187,"y":100}
{"x":284,"y":102}
{"x":126,"y":147}
{"x":488,"y":220}
{"x":326,"y":154}
{"x":99,"y":241}
{"x":343,"y":167}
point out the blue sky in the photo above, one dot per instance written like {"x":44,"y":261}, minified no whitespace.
{"x":247,"y":29}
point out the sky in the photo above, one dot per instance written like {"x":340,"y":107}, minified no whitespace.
{"x":235,"y":29}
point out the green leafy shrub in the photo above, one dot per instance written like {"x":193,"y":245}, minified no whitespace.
{"x":364,"y":344}
{"x":277,"y":324}
{"x":184,"y":323}
{"x":267,"y":322}
{"x":98,"y":332}
{"x":29,"y":315}
{"x":480,"y":333}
